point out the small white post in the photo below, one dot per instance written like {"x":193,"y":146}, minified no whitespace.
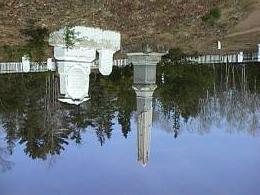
{"x":219,"y":45}
{"x":26,"y":64}
{"x":50,"y":65}
{"x":240,"y":57}
{"x":258,"y":53}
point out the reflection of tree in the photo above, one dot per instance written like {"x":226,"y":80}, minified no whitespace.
{"x":102,"y":108}
{"x":176,"y":122}
{"x":31,"y":114}
{"x":199,"y":95}
{"x":38,"y":143}
{"x":125,"y":99}
{"x":210,"y":95}
{"x":10,"y":124}
{"x":28,"y":114}
{"x":236,"y":103}
{"x":5,"y":165}
{"x":181,"y":90}
{"x":109,"y":95}
{"x":35,"y":47}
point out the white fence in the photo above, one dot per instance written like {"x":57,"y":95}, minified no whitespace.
{"x":228,"y":58}
{"x":17,"y":67}
{"x":12,"y":67}
{"x":121,"y":62}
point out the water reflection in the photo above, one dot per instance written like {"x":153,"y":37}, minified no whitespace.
{"x":233,"y":104}
{"x":144,"y":86}
{"x":112,"y":114}
{"x":5,"y":164}
{"x":75,"y":51}
{"x":193,"y":98}
{"x":32,"y":115}
{"x":201,"y":98}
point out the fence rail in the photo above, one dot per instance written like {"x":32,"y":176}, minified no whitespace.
{"x":17,"y":67}
{"x":230,"y":58}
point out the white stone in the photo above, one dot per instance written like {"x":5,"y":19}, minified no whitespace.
{"x":74,"y":81}
{"x":240,"y":57}
{"x":75,"y":102}
{"x":88,"y":37}
{"x":219,"y":45}
{"x":78,"y":83}
{"x":74,"y":63}
{"x":74,"y":54}
{"x":140,"y":58}
{"x":106,"y":61}
{"x":50,"y":65}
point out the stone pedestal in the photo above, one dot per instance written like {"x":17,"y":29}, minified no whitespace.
{"x":144,"y":67}
{"x":74,"y":54}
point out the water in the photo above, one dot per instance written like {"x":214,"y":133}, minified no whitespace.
{"x":193,"y":131}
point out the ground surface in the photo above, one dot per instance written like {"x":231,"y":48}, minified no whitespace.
{"x":160,"y":23}
{"x":247,"y":32}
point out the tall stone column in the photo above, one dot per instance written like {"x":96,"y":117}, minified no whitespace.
{"x":144,"y":99}
{"x":144,"y":86}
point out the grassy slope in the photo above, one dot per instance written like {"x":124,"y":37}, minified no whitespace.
{"x":160,"y":23}
{"x":247,"y":32}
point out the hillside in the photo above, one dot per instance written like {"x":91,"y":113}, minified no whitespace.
{"x":247,"y":32}
{"x":160,"y":23}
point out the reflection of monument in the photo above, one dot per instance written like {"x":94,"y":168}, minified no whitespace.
{"x":144,"y":86}
{"x":74,"y":61}
{"x":144,"y":97}
{"x":74,"y":82}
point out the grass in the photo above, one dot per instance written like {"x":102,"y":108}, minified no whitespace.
{"x":212,"y":16}
{"x":174,"y":55}
{"x":69,"y":37}
{"x":35,"y":46}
